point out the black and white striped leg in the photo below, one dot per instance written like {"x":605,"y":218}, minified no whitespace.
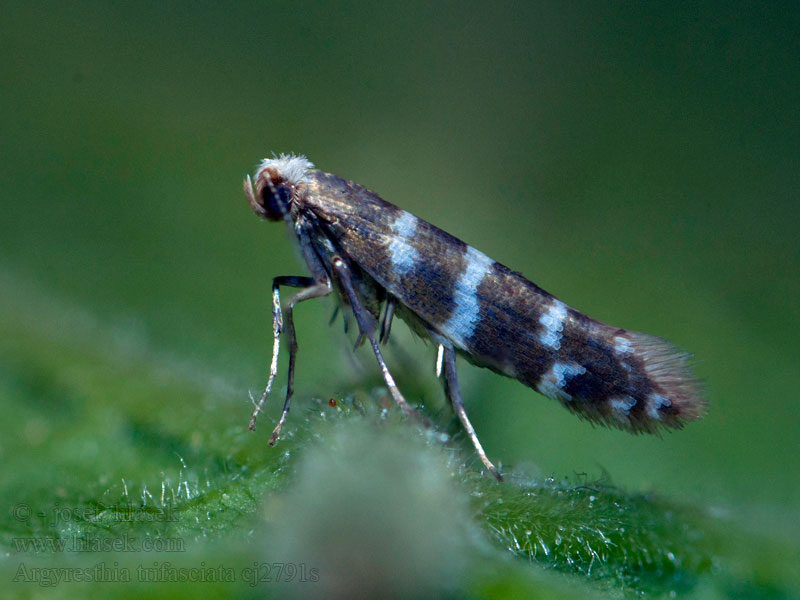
{"x":367,"y":329}
{"x":311,"y":289}
{"x":317,"y":290}
{"x":277,"y":329}
{"x":454,"y":393}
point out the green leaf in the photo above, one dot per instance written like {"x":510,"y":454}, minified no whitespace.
{"x":125,"y":462}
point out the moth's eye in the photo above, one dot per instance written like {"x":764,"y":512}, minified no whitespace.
{"x":275,"y":199}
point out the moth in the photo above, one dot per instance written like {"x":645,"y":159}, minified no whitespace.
{"x":382,"y":262}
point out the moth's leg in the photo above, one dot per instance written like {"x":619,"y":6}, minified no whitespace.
{"x":277,"y":329}
{"x":311,"y":290}
{"x":367,"y":328}
{"x":334,"y":315}
{"x":359,"y":341}
{"x":317,"y":290}
{"x":386,"y":323}
{"x":454,"y":393}
{"x":439,"y":359}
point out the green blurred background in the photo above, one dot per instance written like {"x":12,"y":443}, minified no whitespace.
{"x":639,"y":161}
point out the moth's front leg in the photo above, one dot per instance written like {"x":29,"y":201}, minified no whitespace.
{"x":311,"y":289}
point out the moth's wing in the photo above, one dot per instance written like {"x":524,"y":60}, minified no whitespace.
{"x":502,"y":321}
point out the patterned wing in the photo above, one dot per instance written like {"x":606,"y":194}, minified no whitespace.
{"x":500,"y":320}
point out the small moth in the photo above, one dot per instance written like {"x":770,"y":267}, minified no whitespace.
{"x":382,"y":261}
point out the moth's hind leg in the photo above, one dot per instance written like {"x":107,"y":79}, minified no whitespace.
{"x":454,"y":393}
{"x":311,"y":289}
{"x":367,"y":329}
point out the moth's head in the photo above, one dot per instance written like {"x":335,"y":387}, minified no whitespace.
{"x":276,"y":184}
